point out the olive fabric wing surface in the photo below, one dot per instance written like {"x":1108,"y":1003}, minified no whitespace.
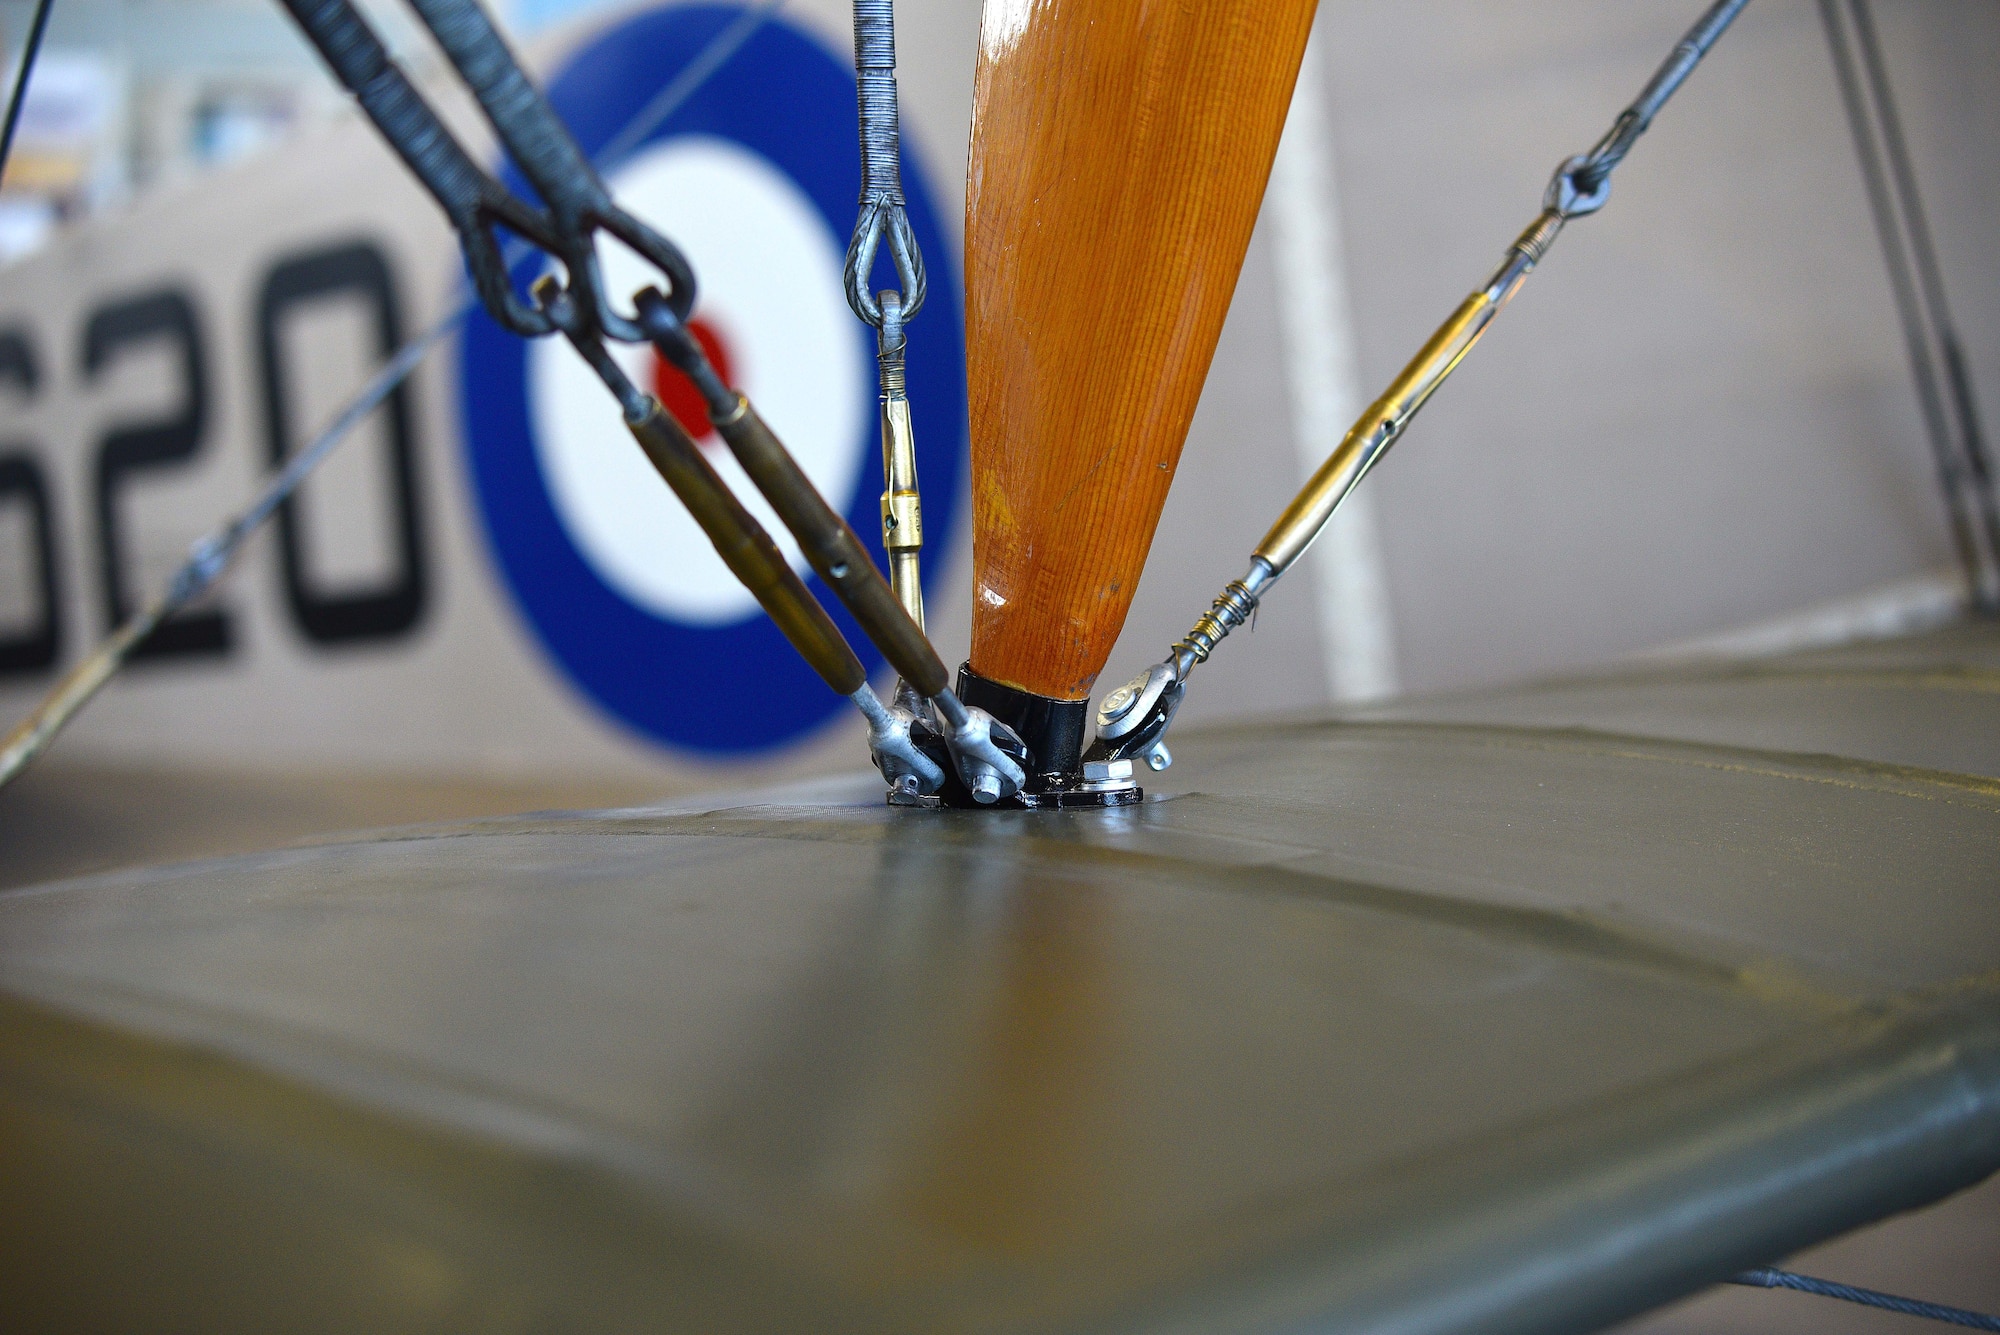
{"x":1510,"y":1012}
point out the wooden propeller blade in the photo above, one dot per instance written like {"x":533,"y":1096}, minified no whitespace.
{"x":1119,"y":154}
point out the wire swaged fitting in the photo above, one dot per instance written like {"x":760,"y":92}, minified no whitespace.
{"x":883,"y":213}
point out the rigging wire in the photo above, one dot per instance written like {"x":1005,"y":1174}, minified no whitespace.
{"x":1768,"y":1278}
{"x":212,"y":554}
{"x":1937,"y":361}
{"x":19,"y":96}
{"x":884,"y":213}
{"x":1132,"y":721}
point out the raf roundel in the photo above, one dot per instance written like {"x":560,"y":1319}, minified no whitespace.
{"x":772,"y":306}
{"x":755,"y":177}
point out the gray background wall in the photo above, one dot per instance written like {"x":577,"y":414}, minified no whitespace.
{"x":1695,"y":415}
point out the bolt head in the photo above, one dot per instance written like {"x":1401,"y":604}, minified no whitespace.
{"x":1106,"y":771}
{"x":986,"y":789}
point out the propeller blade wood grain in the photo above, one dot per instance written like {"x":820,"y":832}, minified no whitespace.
{"x":1119,"y":154}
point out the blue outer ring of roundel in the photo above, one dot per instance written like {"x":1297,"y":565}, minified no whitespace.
{"x":733,"y":688}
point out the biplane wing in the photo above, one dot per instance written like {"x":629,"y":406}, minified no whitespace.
{"x":1518,"y":1011}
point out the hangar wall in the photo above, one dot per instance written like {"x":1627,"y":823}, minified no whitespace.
{"x":1697,"y":413}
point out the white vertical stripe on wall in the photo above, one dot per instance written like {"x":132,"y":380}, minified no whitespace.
{"x":1323,"y":376}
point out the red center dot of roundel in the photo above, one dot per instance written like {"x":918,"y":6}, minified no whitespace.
{"x":678,"y":394}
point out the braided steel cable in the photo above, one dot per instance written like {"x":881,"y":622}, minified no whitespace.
{"x":1938,"y":368}
{"x":1632,"y":122}
{"x":1768,"y":1278}
{"x":19,"y":97}
{"x":577,"y":204}
{"x":1579,"y":187}
{"x":883,"y":214}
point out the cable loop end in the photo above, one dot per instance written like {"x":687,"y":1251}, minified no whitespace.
{"x":878,"y":218}
{"x":1580,"y":187}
